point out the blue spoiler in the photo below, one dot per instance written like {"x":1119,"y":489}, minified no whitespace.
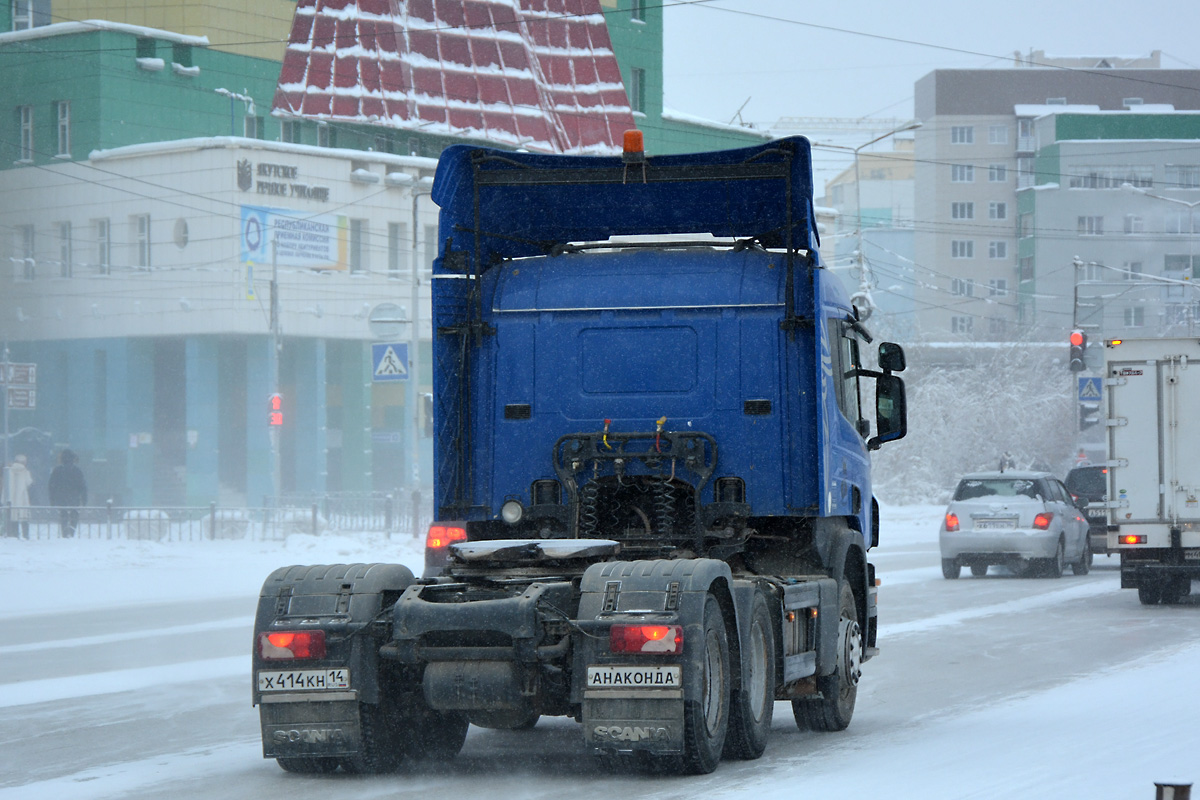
{"x":502,"y":204}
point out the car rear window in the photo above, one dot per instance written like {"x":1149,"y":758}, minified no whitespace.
{"x":1086,"y":481}
{"x":997,"y":487}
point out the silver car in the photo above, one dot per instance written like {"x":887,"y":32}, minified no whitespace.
{"x":1023,"y":520}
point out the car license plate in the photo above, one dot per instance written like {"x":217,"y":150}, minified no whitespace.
{"x":304,"y":680}
{"x":650,"y":677}
{"x":995,"y":524}
{"x":1191,"y":555}
{"x":1097,"y":514}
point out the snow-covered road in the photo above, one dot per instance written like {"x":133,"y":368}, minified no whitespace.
{"x":126,"y":675}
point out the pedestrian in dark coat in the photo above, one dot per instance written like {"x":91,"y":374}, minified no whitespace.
{"x":68,"y":491}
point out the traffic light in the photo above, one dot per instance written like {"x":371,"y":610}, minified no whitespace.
{"x":275,"y":410}
{"x":1078,"y":349}
{"x":1089,"y":415}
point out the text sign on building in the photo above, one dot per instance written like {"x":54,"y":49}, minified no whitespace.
{"x":305,"y":241}
{"x":20,"y":375}
{"x":390,"y":361}
{"x":22,"y":397}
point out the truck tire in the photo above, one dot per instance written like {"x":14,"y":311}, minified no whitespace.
{"x":706,"y":718}
{"x":754,"y":703}
{"x":382,"y":743}
{"x":1150,"y":594}
{"x":951,"y":569}
{"x":439,"y":736}
{"x":839,"y":691}
{"x":1165,"y":592}
{"x":308,"y":766}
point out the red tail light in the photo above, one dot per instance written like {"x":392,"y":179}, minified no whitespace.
{"x":291,"y":645}
{"x":1042,"y":521}
{"x":442,"y":536}
{"x":951,"y":522}
{"x":1133,"y":538}
{"x":654,"y":639}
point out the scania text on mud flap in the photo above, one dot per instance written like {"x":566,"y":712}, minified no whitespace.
{"x":652,"y":485}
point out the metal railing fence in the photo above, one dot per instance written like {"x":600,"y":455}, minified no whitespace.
{"x":328,"y":514}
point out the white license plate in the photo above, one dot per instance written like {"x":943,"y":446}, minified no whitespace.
{"x":1191,"y":555}
{"x":995,"y":524}
{"x":304,"y":680}
{"x":651,"y":677}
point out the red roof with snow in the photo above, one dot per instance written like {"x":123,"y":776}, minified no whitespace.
{"x":538,"y":74}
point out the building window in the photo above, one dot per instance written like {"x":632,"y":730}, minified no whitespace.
{"x":1134,"y":224}
{"x":998,"y":134}
{"x":1025,"y":225}
{"x":1131,"y":101}
{"x":26,"y":268}
{"x":290,"y":130}
{"x":637,"y":89}
{"x":1056,"y":101}
{"x":65,"y":250}
{"x":997,"y":287}
{"x":962,"y":211}
{"x":997,"y":210}
{"x":1135,"y":316}
{"x":960,"y":324}
{"x":103,"y":247}
{"x":28,"y":14}
{"x":431,"y":247}
{"x":359,"y":248}
{"x":252,"y":127}
{"x":962,"y":173}
{"x":1025,"y":176}
{"x":25,"y":116}
{"x":325,"y":137}
{"x":181,"y":54}
{"x":1093,"y":271}
{"x":997,"y":325}
{"x":1091,"y":226}
{"x":962,"y":248}
{"x":997,"y":173}
{"x":141,"y":249}
{"x":998,"y":249}
{"x":962,"y":134}
{"x":637,"y":10}
{"x":962,"y":287}
{"x":398,"y":249}
{"x":147,"y":47}
{"x":64,"y":127}
{"x":1110,"y":177}
{"x":1133,"y":270}
{"x":1179,"y":222}
{"x":1183,"y":176}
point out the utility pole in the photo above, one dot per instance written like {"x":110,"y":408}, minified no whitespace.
{"x":276,"y":346}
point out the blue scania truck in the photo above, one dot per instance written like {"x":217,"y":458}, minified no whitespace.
{"x":652,"y":488}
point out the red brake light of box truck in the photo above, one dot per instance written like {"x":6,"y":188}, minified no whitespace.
{"x":951,"y":522}
{"x":1133,"y":538}
{"x":652,"y":639}
{"x":1042,"y":521}
{"x":442,"y":536}
{"x":291,"y":645}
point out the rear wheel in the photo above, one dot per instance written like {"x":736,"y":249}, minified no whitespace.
{"x":1053,"y":567}
{"x":1150,"y":594}
{"x":979,"y":570}
{"x":839,"y":691}
{"x":706,"y":718}
{"x":754,"y":703}
{"x":951,"y":568}
{"x":439,"y":736}
{"x":382,"y":747}
{"x":1084,"y":563}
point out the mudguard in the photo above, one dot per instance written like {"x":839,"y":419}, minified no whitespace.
{"x":341,"y":599}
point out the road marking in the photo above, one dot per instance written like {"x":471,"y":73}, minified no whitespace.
{"x":48,"y":690}
{"x":1090,"y":589}
{"x":110,"y":638}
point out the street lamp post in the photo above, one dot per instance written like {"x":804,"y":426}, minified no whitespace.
{"x":1191,"y":233}
{"x":864,"y":271}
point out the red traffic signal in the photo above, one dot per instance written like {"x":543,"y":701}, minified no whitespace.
{"x":275,"y":410}
{"x":1078,"y":349}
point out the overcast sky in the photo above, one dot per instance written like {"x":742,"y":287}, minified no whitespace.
{"x":788,"y":58}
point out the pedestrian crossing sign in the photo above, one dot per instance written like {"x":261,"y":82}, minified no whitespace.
{"x":1089,"y":390}
{"x":389,"y":361}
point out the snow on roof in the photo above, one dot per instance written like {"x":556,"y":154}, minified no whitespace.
{"x":1042,"y":109}
{"x":238,"y":142}
{"x":538,"y":74}
{"x":672,"y":115}
{"x":89,"y":25}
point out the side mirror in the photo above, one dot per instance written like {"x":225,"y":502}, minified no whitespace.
{"x":891,"y":410}
{"x":891,"y":357}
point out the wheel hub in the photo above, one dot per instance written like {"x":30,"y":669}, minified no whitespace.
{"x":850,"y":648}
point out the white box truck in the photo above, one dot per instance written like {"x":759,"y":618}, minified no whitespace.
{"x":1153,"y":420}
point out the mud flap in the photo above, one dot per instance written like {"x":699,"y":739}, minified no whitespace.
{"x":622,"y":722}
{"x":309,"y":729}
